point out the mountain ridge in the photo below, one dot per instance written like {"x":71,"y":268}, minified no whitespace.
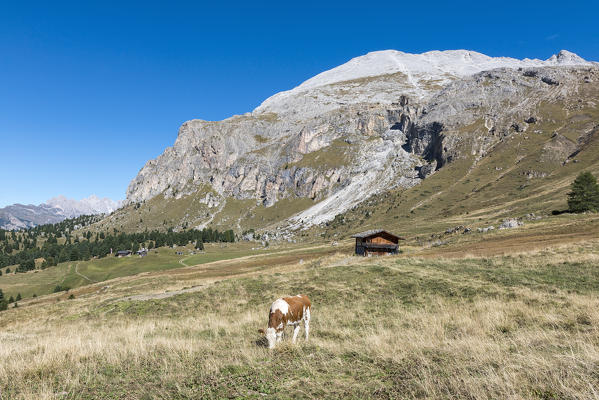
{"x":431,"y":65}
{"x":54,"y":210}
{"x":324,"y":149}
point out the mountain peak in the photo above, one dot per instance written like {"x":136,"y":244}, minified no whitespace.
{"x":565,"y":57}
{"x":91,"y":205}
{"x":417,"y":75}
{"x":433,"y":64}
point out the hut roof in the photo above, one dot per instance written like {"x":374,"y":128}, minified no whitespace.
{"x":373,"y":232}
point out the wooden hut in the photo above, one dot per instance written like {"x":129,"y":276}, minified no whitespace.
{"x":376,"y":242}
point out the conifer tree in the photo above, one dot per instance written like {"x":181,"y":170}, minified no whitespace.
{"x":585,"y":194}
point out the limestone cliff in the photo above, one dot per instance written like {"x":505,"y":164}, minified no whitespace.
{"x":384,"y":120}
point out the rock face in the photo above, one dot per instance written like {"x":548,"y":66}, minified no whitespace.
{"x":384,"y":120}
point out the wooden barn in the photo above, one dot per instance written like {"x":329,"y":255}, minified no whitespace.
{"x":376,"y":242}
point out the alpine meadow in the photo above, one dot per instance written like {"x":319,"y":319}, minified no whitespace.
{"x":401,"y":226}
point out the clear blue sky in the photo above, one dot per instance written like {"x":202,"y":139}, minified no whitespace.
{"x":90,"y":91}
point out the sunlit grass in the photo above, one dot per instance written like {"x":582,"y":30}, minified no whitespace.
{"x":521,"y":326}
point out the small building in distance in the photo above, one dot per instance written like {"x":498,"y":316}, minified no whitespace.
{"x":376,"y":242}
{"x":142,"y":252}
{"x":123,"y":253}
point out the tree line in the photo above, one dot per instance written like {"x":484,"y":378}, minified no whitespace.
{"x":94,"y":245}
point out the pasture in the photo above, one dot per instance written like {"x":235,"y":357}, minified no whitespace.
{"x":522,"y":325}
{"x":74,"y":274}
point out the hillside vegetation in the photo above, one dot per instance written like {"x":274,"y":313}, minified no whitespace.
{"x":521,"y":325}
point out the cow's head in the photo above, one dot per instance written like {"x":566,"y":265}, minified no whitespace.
{"x":271,"y":336}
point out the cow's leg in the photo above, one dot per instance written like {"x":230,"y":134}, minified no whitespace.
{"x":279,"y":336}
{"x":296,"y":329}
{"x":307,"y":323}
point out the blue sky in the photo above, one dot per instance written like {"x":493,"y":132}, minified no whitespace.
{"x":90,"y":91}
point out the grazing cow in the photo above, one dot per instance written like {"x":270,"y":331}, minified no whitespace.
{"x":288,"y":311}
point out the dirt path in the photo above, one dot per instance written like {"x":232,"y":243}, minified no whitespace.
{"x":243,"y":258}
{"x":81,"y":275}
{"x":144,"y":297}
{"x":182,"y":261}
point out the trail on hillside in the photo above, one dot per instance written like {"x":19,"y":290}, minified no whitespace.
{"x":155,"y":296}
{"x":182,"y":261}
{"x":81,"y":275}
{"x":171,"y":293}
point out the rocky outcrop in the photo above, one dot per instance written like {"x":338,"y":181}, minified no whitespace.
{"x":381,"y":121}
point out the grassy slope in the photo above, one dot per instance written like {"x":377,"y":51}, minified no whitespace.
{"x":75,"y":274}
{"x":160,"y":213}
{"x":515,"y":326}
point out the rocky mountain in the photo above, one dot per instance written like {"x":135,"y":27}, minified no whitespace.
{"x":380,"y":122}
{"x":88,"y":206}
{"x":20,"y":216}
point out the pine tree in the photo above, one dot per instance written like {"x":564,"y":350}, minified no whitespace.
{"x":86,"y":254}
{"x":63,"y":256}
{"x":199,"y":245}
{"x":19,"y":296}
{"x":585,"y":194}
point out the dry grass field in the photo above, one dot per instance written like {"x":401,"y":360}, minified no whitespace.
{"x":515,"y":326}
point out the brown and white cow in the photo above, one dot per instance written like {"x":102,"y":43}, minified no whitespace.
{"x":288,"y":311}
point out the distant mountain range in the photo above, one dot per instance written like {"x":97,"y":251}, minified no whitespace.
{"x":21,"y":216}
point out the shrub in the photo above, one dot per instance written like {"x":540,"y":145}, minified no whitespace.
{"x":60,"y":288}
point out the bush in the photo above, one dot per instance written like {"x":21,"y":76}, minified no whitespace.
{"x":585,"y":194}
{"x":60,"y":288}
